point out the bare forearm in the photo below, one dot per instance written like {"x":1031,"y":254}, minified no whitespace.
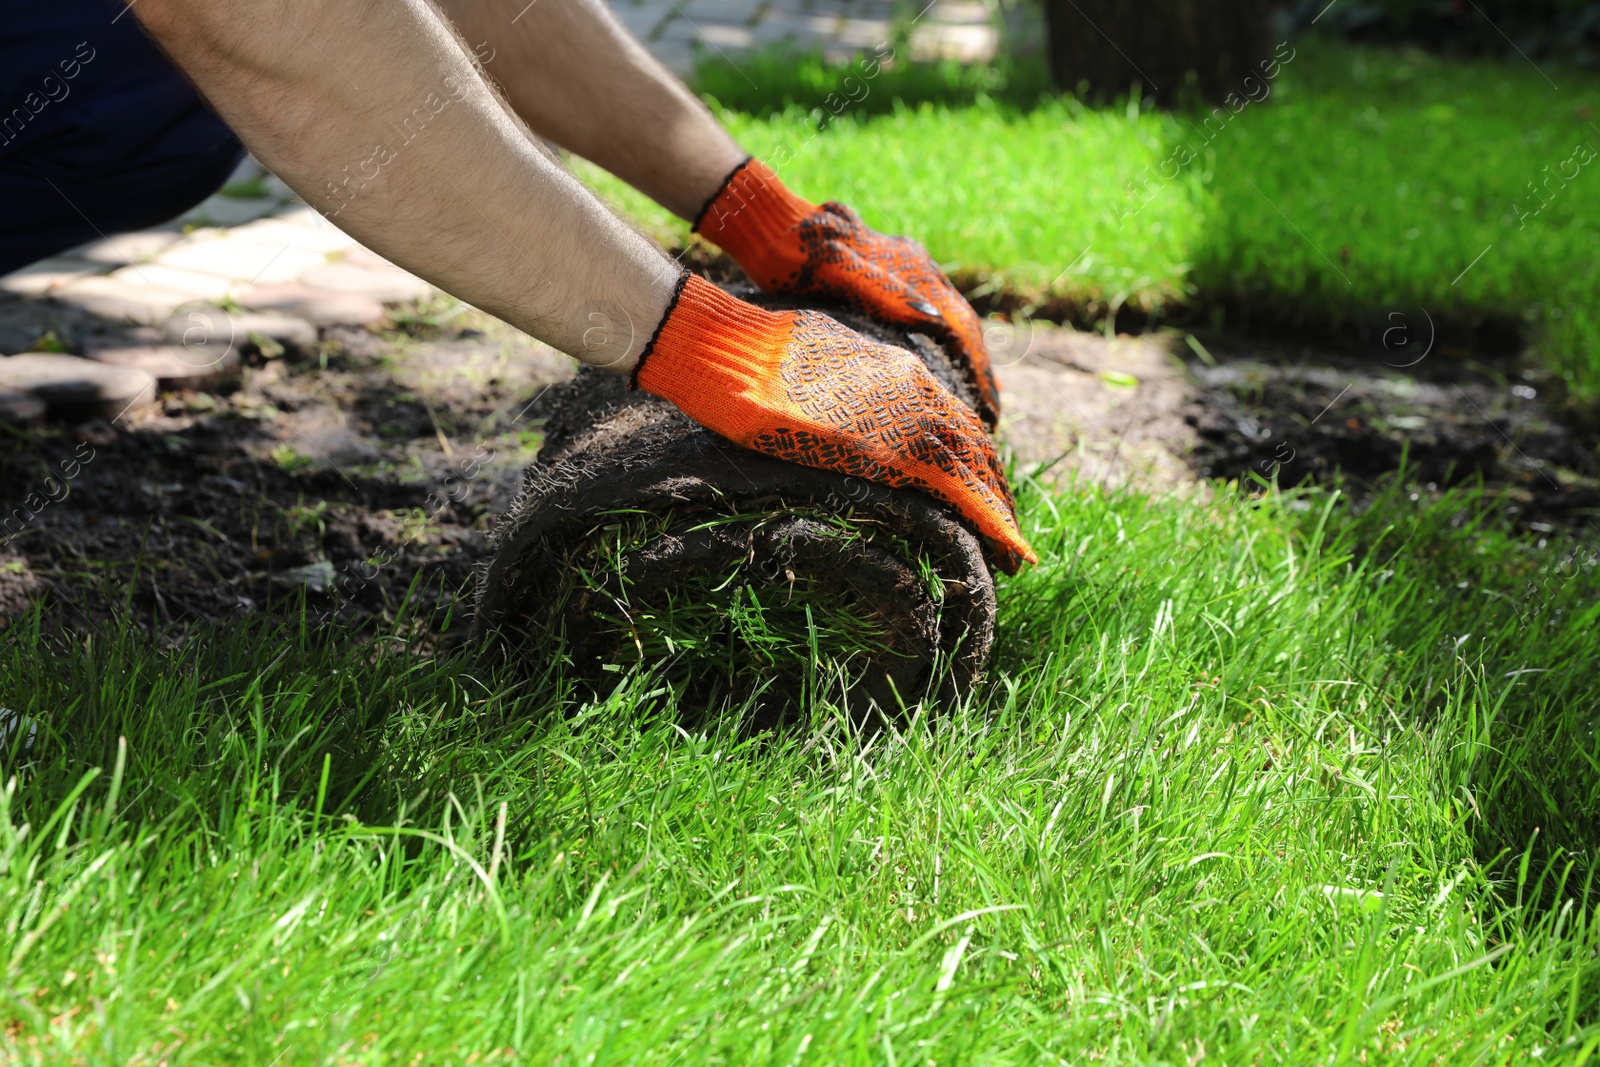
{"x":575,"y":74}
{"x":375,"y":114}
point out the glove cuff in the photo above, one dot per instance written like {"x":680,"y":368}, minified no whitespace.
{"x":711,"y":349}
{"x":753,"y":218}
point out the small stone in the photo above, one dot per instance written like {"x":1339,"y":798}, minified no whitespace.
{"x":319,"y":309}
{"x":317,"y":577}
{"x":121,"y":249}
{"x":18,"y":406}
{"x":389,"y":285}
{"x":97,"y":432}
{"x":73,"y":383}
{"x":175,"y":366}
{"x":120,"y":301}
{"x":38,"y":279}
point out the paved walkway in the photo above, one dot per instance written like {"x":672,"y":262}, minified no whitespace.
{"x":164,"y":310}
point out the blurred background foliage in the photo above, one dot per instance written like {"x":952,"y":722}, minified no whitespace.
{"x":1482,"y":27}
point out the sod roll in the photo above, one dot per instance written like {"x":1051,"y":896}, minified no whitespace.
{"x":642,"y":540}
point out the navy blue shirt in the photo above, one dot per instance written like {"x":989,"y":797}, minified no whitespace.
{"x":99,"y":133}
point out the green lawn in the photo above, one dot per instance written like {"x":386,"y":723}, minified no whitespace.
{"x":1369,"y":181}
{"x":1257,"y":780}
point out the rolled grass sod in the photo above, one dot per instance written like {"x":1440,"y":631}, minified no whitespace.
{"x":641,"y":539}
{"x":1370,"y":181}
{"x":1257,"y":776}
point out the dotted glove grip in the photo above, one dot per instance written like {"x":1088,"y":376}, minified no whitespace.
{"x":801,"y":387}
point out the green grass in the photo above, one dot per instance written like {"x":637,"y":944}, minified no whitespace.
{"x":1367,"y":183}
{"x":1252,"y":778}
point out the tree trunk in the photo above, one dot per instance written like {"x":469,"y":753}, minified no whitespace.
{"x":1168,"y":48}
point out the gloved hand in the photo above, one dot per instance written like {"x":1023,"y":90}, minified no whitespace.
{"x":801,"y":387}
{"x":789,"y":245}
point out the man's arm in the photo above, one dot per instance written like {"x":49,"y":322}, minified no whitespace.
{"x":580,"y":79}
{"x":375,"y":113}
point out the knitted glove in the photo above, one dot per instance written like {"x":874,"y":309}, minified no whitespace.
{"x":801,"y":387}
{"x":790,"y":245}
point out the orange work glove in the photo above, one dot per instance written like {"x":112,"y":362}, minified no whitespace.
{"x":801,"y":387}
{"x":789,"y":245}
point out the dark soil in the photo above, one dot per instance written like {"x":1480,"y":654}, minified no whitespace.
{"x":1296,"y":414}
{"x":325,"y":480}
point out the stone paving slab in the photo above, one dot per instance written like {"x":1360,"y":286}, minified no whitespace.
{"x":71,"y":382}
{"x":193,"y":284}
{"x":321,"y":309}
{"x":241,"y":258}
{"x":40,"y":278}
{"x":294,"y":265}
{"x":174,"y":366}
{"x":116,"y":300}
{"x":300,"y":227}
{"x":292,"y":332}
{"x":129,"y":248}
{"x":387,"y":286}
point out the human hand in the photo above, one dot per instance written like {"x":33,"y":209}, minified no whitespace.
{"x":801,"y":387}
{"x":788,"y":245}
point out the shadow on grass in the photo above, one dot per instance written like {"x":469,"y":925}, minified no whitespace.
{"x":1514,"y":617}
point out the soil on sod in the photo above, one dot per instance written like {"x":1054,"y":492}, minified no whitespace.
{"x":367,"y":474}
